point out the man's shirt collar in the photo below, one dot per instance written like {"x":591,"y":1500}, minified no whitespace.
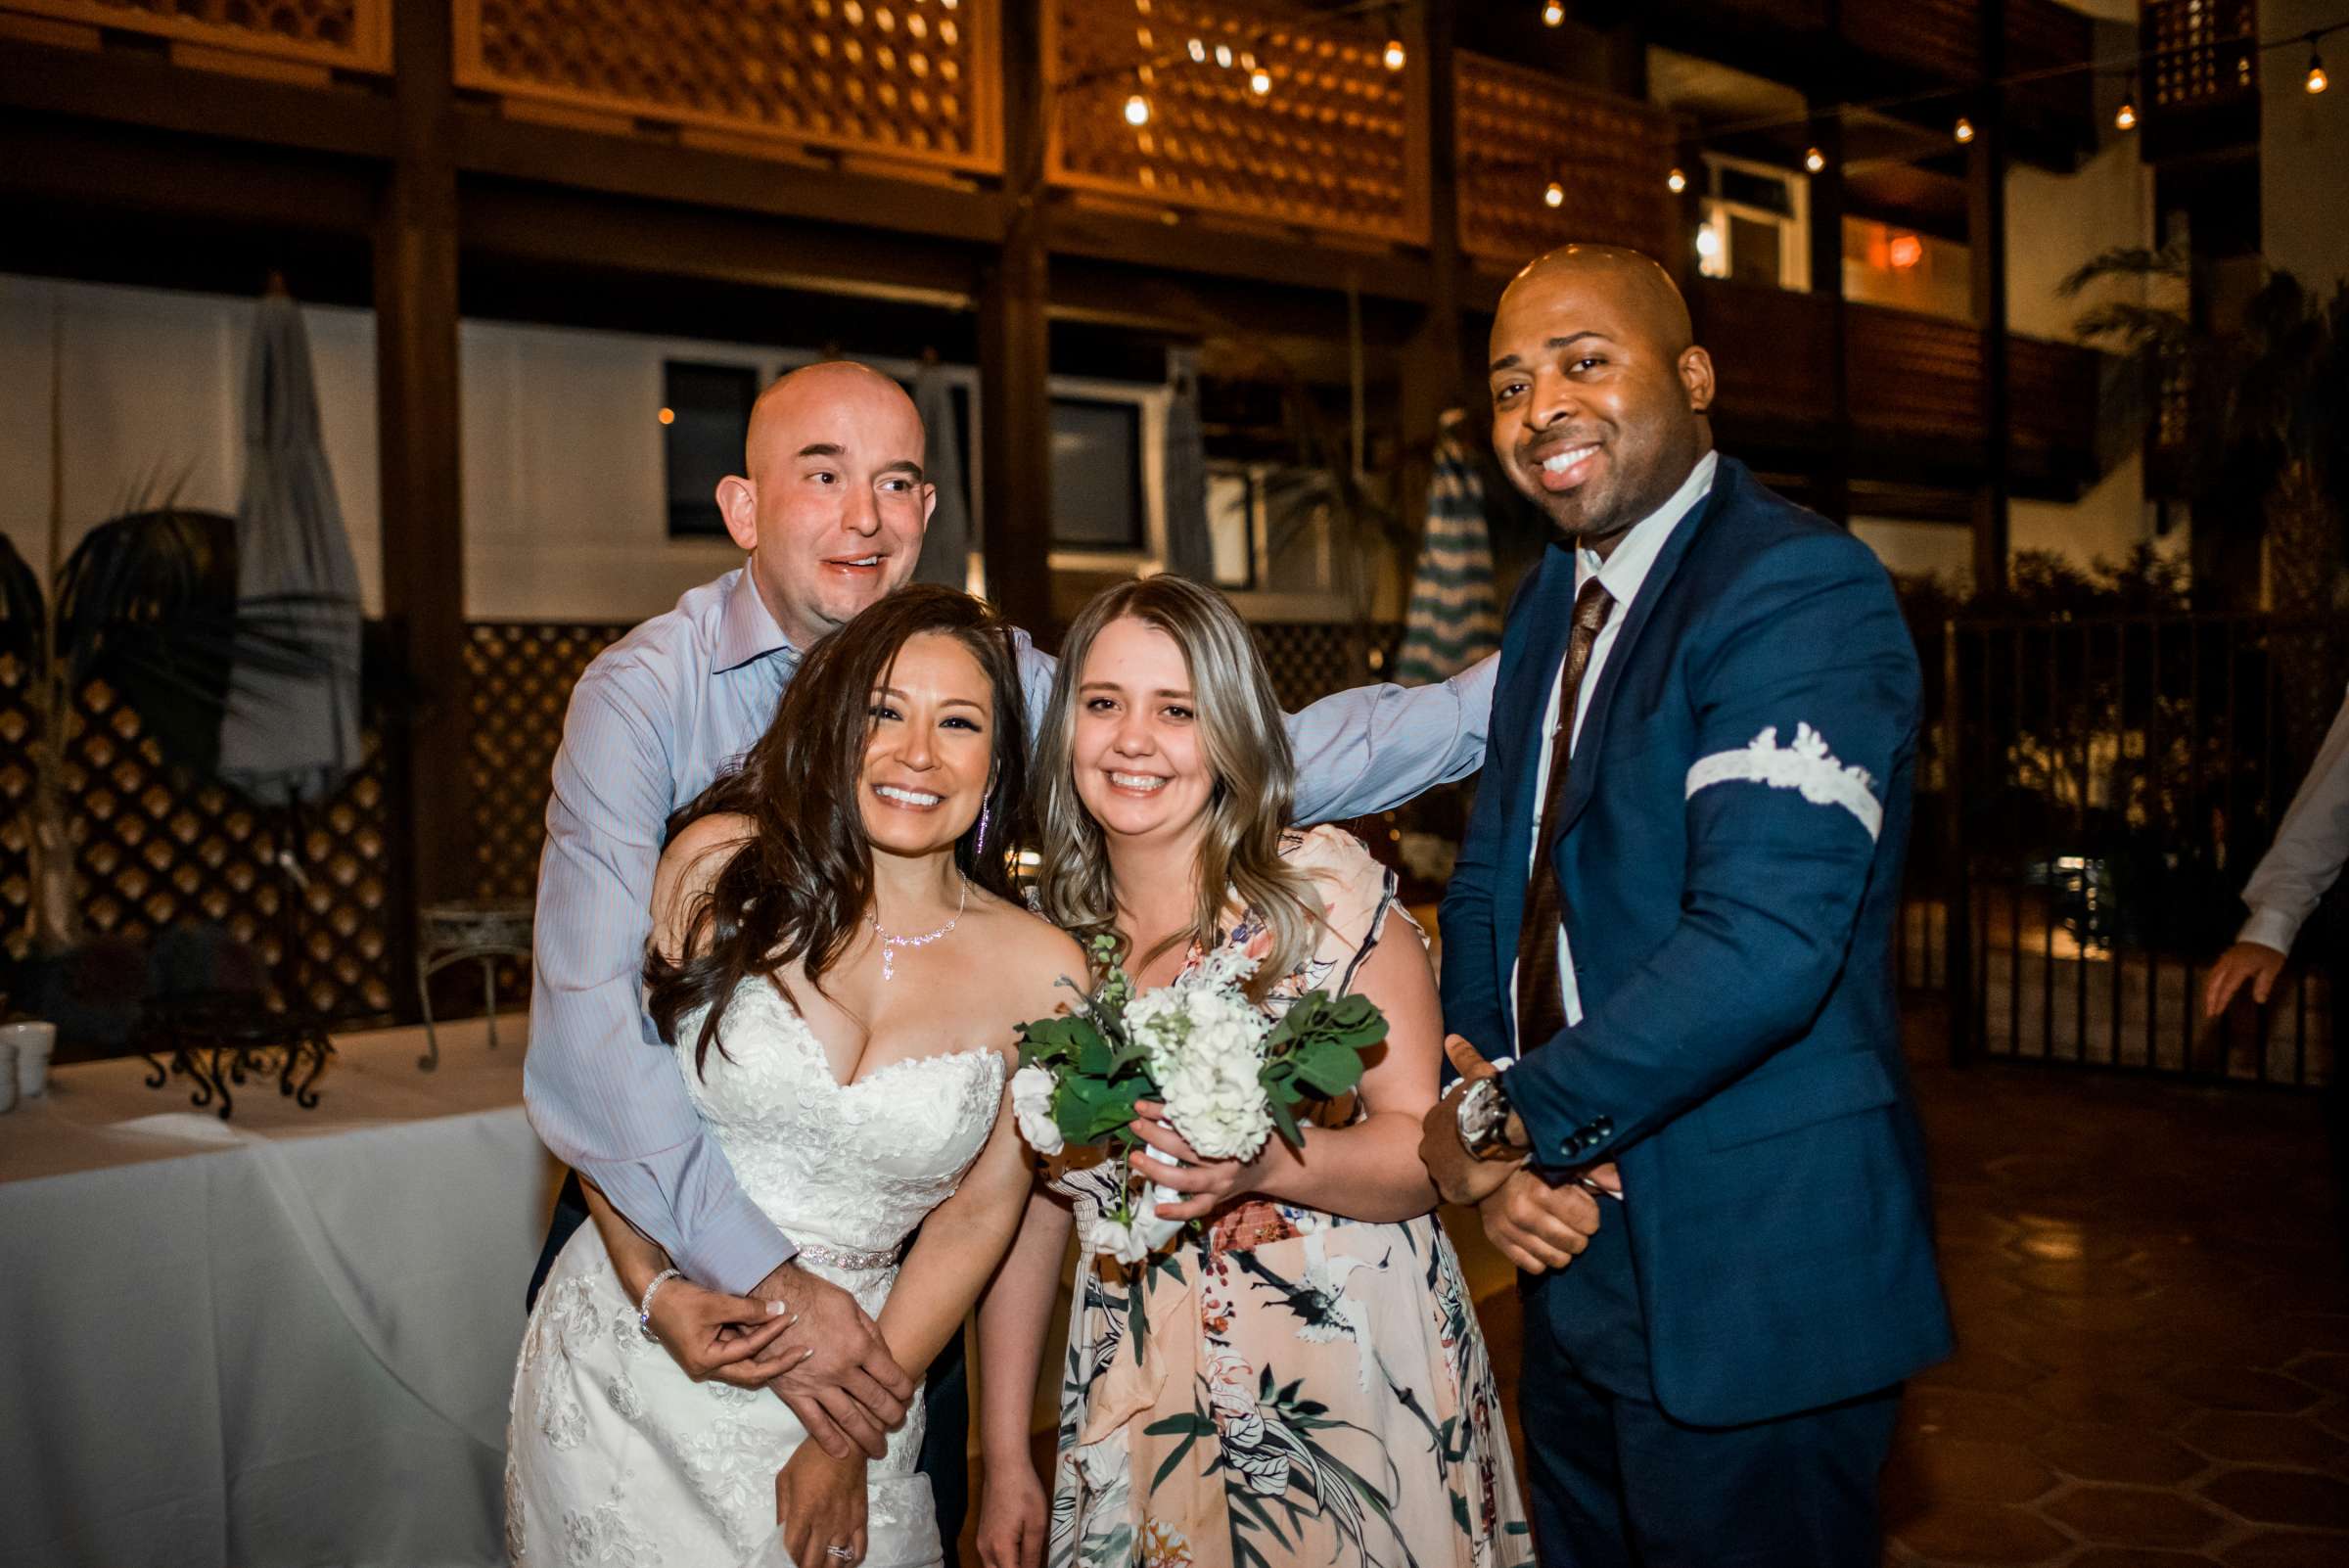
{"x":1627,"y":568}
{"x":746,"y":630}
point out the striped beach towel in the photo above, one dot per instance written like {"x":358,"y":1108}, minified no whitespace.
{"x":1454,"y":613}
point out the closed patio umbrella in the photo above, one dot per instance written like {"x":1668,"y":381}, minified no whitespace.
{"x":291,"y":731}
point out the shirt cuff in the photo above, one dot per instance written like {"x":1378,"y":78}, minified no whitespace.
{"x":2269,"y":928}
{"x":736,"y":1248}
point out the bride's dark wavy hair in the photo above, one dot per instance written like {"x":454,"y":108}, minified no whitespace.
{"x":796,"y":888}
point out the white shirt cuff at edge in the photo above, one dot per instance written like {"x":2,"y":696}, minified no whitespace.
{"x":2269,"y":928}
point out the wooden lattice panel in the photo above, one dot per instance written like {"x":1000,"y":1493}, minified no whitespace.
{"x":521,"y":680}
{"x":152,"y":852}
{"x":911,"y":81}
{"x":1309,"y":659}
{"x":1521,"y":130}
{"x":2201,"y":51}
{"x":352,"y":34}
{"x":1332,"y":146}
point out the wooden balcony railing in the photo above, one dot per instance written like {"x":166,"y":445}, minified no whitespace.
{"x":1521,"y":130}
{"x":1938,"y":37}
{"x":1336,"y":145}
{"x":342,"y":34}
{"x":1915,"y":383}
{"x":910,"y":83}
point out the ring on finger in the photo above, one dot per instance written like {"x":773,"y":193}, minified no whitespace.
{"x":840,"y":1553}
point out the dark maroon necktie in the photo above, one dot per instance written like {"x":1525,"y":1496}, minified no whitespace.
{"x":1541,"y":998}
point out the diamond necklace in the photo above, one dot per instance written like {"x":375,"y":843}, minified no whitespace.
{"x":891,"y":943}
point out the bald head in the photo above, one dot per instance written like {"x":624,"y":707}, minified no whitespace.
{"x":1599,"y":390}
{"x":831,"y":502}
{"x":831,"y":392}
{"x":1642,"y":289}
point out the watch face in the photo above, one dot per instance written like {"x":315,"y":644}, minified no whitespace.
{"x":1482,"y":1111}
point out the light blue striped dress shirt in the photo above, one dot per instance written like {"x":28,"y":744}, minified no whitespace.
{"x":659,"y":716}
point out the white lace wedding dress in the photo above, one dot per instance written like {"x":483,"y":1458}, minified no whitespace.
{"x":613,"y":1455}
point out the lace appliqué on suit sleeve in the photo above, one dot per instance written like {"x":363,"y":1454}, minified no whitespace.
{"x":1806,"y":766}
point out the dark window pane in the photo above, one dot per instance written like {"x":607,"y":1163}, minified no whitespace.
{"x":1754,"y":252}
{"x":707,"y":412}
{"x":1097,"y":474}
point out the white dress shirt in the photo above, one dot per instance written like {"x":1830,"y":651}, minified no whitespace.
{"x":2305,"y":860}
{"x":1624,"y":573}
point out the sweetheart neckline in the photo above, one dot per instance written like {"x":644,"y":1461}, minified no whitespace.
{"x":823,"y":1063}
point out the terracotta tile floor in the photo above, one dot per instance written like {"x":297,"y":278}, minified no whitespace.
{"x":2153,"y":1329}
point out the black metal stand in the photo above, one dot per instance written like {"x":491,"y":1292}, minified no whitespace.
{"x":223,"y":1040}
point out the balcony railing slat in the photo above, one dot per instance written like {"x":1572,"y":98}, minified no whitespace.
{"x":344,"y":35}
{"x":913,"y":85}
{"x":1521,"y":129}
{"x":1330,"y":148}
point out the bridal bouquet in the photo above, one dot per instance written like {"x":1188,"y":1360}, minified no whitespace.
{"x":1228,"y":1075}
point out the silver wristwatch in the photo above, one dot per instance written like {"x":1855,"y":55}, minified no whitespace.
{"x":1484,"y":1113}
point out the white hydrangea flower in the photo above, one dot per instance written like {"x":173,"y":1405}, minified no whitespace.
{"x":1131,"y":1241}
{"x":1032,"y":1104}
{"x":1206,"y":1047}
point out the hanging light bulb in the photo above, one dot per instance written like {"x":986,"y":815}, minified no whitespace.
{"x":1137,"y":110}
{"x":1675,"y":182}
{"x":1395,"y":56}
{"x":2317,"y":82}
{"x":1555,"y":196}
{"x":1552,"y":14}
{"x":2125,"y":118}
{"x":1259,"y":81}
{"x":1223,"y":56}
{"x":1815,"y":160}
{"x":1964,"y":131}
{"x":1198,"y":52}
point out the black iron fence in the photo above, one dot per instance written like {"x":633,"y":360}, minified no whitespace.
{"x":2098,"y":793}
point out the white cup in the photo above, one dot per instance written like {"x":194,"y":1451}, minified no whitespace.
{"x":8,"y":1076}
{"x":33,"y":1045}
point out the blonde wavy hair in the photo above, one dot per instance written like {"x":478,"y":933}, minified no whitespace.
{"x":1246,"y":740}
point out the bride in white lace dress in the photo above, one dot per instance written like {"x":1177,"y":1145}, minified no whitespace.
{"x":832,"y":907}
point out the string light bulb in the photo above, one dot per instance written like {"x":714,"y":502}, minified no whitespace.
{"x":1815,"y":160}
{"x":2317,"y":82}
{"x":2125,"y":118}
{"x":1223,"y":56}
{"x":1554,"y":13}
{"x":1675,"y":182}
{"x":1137,"y":110}
{"x":1555,"y":196}
{"x":1395,"y":58}
{"x":1964,"y":131}
{"x":1198,"y":52}
{"x":1259,"y":81}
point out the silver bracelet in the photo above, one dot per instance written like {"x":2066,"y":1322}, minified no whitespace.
{"x":644,"y":1307}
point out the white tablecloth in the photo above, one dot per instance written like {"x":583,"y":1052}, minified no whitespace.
{"x":290,"y":1347}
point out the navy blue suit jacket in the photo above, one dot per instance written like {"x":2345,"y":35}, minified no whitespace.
{"x":1731,"y":923}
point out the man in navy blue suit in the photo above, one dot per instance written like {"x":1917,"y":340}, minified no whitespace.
{"x":1671,"y":922}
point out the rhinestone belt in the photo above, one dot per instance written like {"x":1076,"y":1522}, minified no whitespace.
{"x":844,"y":1257}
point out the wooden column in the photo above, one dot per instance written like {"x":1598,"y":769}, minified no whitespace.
{"x":1832,"y":496}
{"x":1440,"y":369}
{"x":1015,"y":350}
{"x":417,"y":436}
{"x":1986,"y":237}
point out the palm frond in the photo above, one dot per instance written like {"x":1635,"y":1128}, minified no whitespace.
{"x":2127,"y":261}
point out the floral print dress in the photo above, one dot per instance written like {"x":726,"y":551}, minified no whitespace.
{"x":1296,"y":1387}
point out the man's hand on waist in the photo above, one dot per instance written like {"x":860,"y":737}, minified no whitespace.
{"x":849,"y":1392}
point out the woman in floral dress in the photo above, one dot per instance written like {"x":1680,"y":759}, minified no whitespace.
{"x":1302,"y":1379}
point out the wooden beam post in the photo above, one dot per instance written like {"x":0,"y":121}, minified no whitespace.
{"x":1437,"y":359}
{"x":1015,"y":348}
{"x":1832,"y":493}
{"x":1986,"y":237}
{"x":417,"y":434}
